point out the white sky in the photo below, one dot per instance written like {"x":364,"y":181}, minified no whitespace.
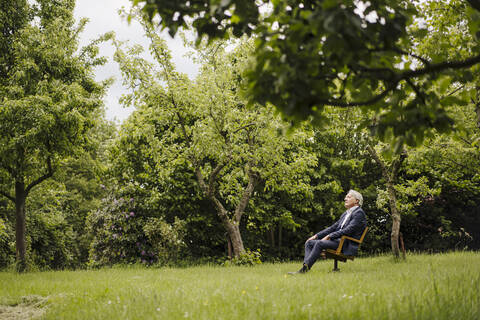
{"x":103,"y":17}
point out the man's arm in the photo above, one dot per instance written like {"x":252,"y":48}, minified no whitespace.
{"x":324,"y":234}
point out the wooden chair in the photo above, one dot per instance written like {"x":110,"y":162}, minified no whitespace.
{"x":337,"y":254}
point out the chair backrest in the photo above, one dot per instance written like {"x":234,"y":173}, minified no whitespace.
{"x":363,"y":234}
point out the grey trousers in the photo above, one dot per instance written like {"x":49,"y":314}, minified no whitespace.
{"x":313,"y":248}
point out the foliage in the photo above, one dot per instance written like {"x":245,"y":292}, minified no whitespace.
{"x":3,"y":233}
{"x":49,"y":98}
{"x":177,"y":195}
{"x":447,"y":217}
{"x":284,"y":184}
{"x":442,"y":286}
{"x":6,"y":254}
{"x":126,"y":231}
{"x":48,"y":105}
{"x":58,"y":208}
{"x":206,"y":127}
{"x":249,"y":258}
{"x":166,"y":239}
{"x":343,"y":53}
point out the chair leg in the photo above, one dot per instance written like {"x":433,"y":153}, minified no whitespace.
{"x":335,"y":265}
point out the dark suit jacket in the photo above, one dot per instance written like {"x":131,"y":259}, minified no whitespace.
{"x":354,"y":227}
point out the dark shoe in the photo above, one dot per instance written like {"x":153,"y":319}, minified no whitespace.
{"x":304,"y":269}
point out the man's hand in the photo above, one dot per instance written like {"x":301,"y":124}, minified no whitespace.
{"x":327,"y":237}
{"x":314,"y":237}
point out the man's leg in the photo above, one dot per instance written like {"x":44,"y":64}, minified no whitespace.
{"x":314,"y":248}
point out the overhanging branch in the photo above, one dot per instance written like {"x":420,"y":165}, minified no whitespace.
{"x":373,"y":100}
{"x":440,"y":67}
{"x":407,"y":76}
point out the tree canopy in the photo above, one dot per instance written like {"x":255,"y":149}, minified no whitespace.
{"x":206,"y":125}
{"x":311,"y":54}
{"x":49,"y":98}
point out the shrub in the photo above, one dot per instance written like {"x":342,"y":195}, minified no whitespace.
{"x":7,"y":255}
{"x":166,"y":239}
{"x":125,"y":232}
{"x":249,"y":258}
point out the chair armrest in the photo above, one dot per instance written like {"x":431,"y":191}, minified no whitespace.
{"x":342,"y":240}
{"x":352,"y":239}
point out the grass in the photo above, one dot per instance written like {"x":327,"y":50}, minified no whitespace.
{"x":443,"y":286}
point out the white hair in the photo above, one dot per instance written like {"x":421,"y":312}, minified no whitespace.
{"x":357,"y":195}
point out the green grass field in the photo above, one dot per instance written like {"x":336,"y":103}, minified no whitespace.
{"x":443,"y":286}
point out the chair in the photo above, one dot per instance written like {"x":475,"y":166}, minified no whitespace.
{"x":337,"y":253}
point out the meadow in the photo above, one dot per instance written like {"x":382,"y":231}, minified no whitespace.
{"x":440,"y":286}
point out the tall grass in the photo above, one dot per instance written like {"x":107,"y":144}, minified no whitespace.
{"x":443,"y":286}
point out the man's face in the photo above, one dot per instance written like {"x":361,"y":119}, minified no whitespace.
{"x":350,"y":201}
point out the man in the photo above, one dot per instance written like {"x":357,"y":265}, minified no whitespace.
{"x":351,"y":223}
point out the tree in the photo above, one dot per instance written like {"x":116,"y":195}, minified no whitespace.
{"x":49,"y":99}
{"x":390,"y":175}
{"x":207,"y":126}
{"x":312,"y":54}
{"x":133,"y":168}
{"x":448,"y":216}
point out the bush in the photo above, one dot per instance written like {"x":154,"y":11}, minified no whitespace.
{"x":50,"y":241}
{"x":7,"y":255}
{"x":166,"y":239}
{"x":125,"y":232}
{"x":249,"y":258}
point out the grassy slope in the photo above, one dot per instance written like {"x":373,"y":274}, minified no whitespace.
{"x":445,"y":286}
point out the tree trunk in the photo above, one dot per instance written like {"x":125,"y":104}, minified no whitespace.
{"x":236,"y":238}
{"x":20,"y":229}
{"x":229,"y":246}
{"x":390,"y":174}
{"x":272,"y":237}
{"x":232,"y":228}
{"x":396,"y":219}
{"x":230,"y":224}
{"x":279,"y":236}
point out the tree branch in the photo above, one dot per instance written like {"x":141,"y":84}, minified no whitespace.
{"x":213,"y":178}
{"x":42,"y":178}
{"x":417,"y":91}
{"x":377,"y":159}
{"x":440,"y":67}
{"x":244,"y":127}
{"x":7,"y":195}
{"x":247,"y":193}
{"x":201,"y":180}
{"x":423,"y":60}
{"x":406,"y":75}
{"x":397,"y":163}
{"x":455,"y":91}
{"x":400,"y":51}
{"x":373,"y":100}
{"x":220,"y":208}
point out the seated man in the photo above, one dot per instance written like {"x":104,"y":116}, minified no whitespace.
{"x":351,"y":223}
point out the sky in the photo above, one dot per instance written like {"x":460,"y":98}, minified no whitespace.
{"x":103,"y":17}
